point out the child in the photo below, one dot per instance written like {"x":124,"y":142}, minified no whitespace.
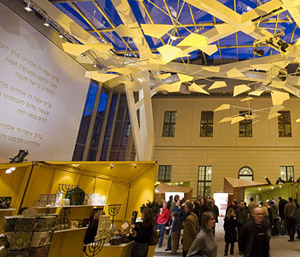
{"x":174,"y":230}
{"x":230,"y":232}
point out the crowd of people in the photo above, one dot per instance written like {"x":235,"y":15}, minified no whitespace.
{"x":250,"y":226}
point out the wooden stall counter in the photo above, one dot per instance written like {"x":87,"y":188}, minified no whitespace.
{"x":122,"y":250}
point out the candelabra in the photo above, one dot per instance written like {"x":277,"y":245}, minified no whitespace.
{"x":113,"y":210}
{"x":94,"y":248}
{"x":63,"y":188}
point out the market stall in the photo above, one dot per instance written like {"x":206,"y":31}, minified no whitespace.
{"x":163,"y":191}
{"x":236,"y":187}
{"x":127,"y":184}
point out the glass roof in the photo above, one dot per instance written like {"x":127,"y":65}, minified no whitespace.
{"x":100,"y":18}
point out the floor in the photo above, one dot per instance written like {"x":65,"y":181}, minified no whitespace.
{"x":280,"y":247}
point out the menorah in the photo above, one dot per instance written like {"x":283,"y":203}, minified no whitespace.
{"x":63,"y":188}
{"x":94,"y":248}
{"x":113,"y":210}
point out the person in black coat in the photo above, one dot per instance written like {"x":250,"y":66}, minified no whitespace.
{"x":142,"y":233}
{"x":255,"y":236}
{"x":230,"y":223}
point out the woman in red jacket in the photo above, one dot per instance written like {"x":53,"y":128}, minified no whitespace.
{"x":162,"y":220}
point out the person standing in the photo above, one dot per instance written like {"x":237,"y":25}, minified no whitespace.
{"x":170,"y":202}
{"x":162,"y":219}
{"x":230,"y":231}
{"x":255,"y":236}
{"x":274,"y":210}
{"x":281,"y":205}
{"x":290,"y":216}
{"x":204,"y":243}
{"x":142,"y":233}
{"x":190,"y":229}
{"x":242,"y":218}
{"x":252,"y":205}
{"x":173,"y":233}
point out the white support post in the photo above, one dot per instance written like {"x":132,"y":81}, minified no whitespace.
{"x":143,"y":132}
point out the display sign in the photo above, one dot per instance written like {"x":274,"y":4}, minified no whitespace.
{"x":42,"y":93}
{"x":221,"y":200}
{"x":168,"y":194}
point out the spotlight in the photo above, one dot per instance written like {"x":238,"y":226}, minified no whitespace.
{"x":19,"y":157}
{"x":8,"y":171}
{"x":268,"y":180}
{"x":111,"y":165}
{"x":291,"y":179}
{"x":47,"y":22}
{"x":134,"y":165}
{"x":83,"y":55}
{"x":173,"y":37}
{"x":61,"y":35}
{"x":280,"y":180}
{"x":95,"y":65}
{"x":28,"y":7}
{"x":298,"y":180}
{"x":258,"y":52}
{"x":283,"y":45}
{"x":289,"y":18}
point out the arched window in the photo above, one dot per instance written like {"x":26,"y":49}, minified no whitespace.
{"x":246,"y":173}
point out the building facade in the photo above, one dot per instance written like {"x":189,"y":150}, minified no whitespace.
{"x":191,"y":144}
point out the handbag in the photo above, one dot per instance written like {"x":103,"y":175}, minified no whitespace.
{"x":154,"y":237}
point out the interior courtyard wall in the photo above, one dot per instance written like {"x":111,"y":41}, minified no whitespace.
{"x":226,"y":152}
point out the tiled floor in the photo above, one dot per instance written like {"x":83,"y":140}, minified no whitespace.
{"x":280,"y":247}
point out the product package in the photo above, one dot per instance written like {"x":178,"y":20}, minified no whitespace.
{"x":40,"y":239}
{"x":5,"y":202}
{"x":24,"y":224}
{"x":20,"y":241}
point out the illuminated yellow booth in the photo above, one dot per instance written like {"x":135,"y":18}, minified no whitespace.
{"x":127,"y":183}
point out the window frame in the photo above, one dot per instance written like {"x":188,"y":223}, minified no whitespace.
{"x":246,"y":123}
{"x":169,"y":124}
{"x":204,"y":181}
{"x":242,"y":175}
{"x":206,"y":124}
{"x":284,"y":124}
{"x":287,"y":176}
{"x":165,"y":177}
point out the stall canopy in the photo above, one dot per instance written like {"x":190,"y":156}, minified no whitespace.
{"x":162,"y":189}
{"x":236,"y":187}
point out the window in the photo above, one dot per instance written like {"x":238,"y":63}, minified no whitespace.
{"x":246,"y":173}
{"x":169,"y":124}
{"x":245,"y":129}
{"x":164,"y":173}
{"x":284,"y":124}
{"x":204,"y":180}
{"x":287,"y":173}
{"x":207,"y":123}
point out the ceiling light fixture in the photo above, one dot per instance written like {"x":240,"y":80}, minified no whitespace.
{"x":111,"y":165}
{"x":61,"y":35}
{"x":28,"y":7}
{"x":19,"y":157}
{"x":173,"y":37}
{"x":258,"y":52}
{"x":8,"y":171}
{"x":134,"y":165}
{"x":47,"y":22}
{"x":95,"y":65}
{"x":83,"y":55}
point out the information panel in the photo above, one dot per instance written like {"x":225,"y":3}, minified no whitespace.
{"x":42,"y":93}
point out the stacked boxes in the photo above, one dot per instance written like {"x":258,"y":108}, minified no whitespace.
{"x":29,"y":236}
{"x":104,"y":225}
{"x":46,"y":200}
